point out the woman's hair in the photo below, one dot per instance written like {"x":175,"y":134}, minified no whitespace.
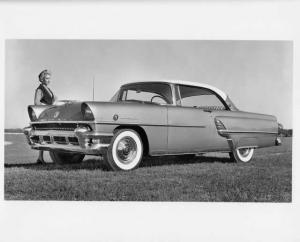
{"x":43,"y":74}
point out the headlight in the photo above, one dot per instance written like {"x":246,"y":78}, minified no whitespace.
{"x":32,"y":114}
{"x":87,"y":112}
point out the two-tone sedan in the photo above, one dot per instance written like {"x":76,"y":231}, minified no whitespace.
{"x":150,"y":119}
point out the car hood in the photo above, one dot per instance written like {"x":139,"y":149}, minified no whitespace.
{"x":102,"y":111}
{"x":68,"y":111}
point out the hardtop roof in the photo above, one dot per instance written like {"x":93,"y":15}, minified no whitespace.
{"x":187,"y":83}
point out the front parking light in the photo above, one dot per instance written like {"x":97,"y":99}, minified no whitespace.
{"x":96,"y":141}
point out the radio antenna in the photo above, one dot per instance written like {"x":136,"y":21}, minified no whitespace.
{"x":93,"y":88}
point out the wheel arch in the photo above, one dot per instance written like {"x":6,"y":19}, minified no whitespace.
{"x":140,"y":131}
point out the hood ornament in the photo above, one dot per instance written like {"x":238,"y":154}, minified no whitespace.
{"x":56,"y":114}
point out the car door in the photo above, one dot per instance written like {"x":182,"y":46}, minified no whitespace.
{"x":191,"y":126}
{"x":189,"y":130}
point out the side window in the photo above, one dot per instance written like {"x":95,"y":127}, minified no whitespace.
{"x":157,"y":93}
{"x":200,"y":98}
{"x":144,"y":96}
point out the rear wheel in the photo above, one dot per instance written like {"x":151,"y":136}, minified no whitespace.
{"x":125,"y":151}
{"x":242,"y":154}
{"x":60,"y":157}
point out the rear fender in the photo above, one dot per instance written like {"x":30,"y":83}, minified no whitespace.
{"x":248,"y":129}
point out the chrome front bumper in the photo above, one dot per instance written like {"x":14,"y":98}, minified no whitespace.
{"x":80,"y":140}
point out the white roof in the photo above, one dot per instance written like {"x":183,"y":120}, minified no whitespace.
{"x":195,"y":84}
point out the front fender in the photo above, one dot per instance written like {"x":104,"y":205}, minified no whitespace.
{"x":37,"y":110}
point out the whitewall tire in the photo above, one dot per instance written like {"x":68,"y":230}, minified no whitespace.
{"x":242,"y":154}
{"x":125,"y":151}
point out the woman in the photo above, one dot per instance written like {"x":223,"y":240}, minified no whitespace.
{"x":44,"y":96}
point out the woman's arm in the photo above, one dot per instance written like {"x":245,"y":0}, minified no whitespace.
{"x":38,"y":96}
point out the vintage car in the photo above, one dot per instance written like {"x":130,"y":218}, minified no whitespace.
{"x":150,"y":119}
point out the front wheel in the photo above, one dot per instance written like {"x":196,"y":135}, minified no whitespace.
{"x":125,"y":151}
{"x":242,"y":154}
{"x":60,"y":157}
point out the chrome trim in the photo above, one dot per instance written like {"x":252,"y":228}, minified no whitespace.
{"x":81,"y":129}
{"x":172,"y":154}
{"x":61,"y":121}
{"x":173,"y":94}
{"x":154,"y":125}
{"x":83,"y":136}
{"x":48,"y":128}
{"x":97,"y":135}
{"x":70,"y":148}
{"x":115,"y":123}
{"x":248,"y":147}
{"x":253,"y":118}
{"x":52,"y":133}
{"x":244,"y":131}
{"x":197,"y":153}
{"x":179,"y":94}
{"x":26,"y":130}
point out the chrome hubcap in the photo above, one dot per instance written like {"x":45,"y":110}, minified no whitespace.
{"x":244,"y":152}
{"x":126,"y":150}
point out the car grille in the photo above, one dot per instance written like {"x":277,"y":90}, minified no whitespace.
{"x":55,"y":126}
{"x":60,"y":140}
{"x":54,"y":139}
{"x":35,"y":139}
{"x":59,"y":133}
{"x":47,"y":139}
{"x":73,"y":140}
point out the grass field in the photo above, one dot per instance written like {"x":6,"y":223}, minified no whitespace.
{"x":268,"y":178}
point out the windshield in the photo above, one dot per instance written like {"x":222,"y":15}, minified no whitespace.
{"x":115,"y":97}
{"x":157,"y":93}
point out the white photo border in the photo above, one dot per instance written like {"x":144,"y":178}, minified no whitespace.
{"x":152,"y":221}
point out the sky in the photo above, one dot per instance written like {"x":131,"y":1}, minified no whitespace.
{"x":257,"y":75}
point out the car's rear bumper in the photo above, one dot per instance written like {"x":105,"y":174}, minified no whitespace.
{"x":80,"y":140}
{"x":278,"y":141}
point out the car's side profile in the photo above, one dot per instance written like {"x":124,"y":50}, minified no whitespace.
{"x":150,"y":119}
